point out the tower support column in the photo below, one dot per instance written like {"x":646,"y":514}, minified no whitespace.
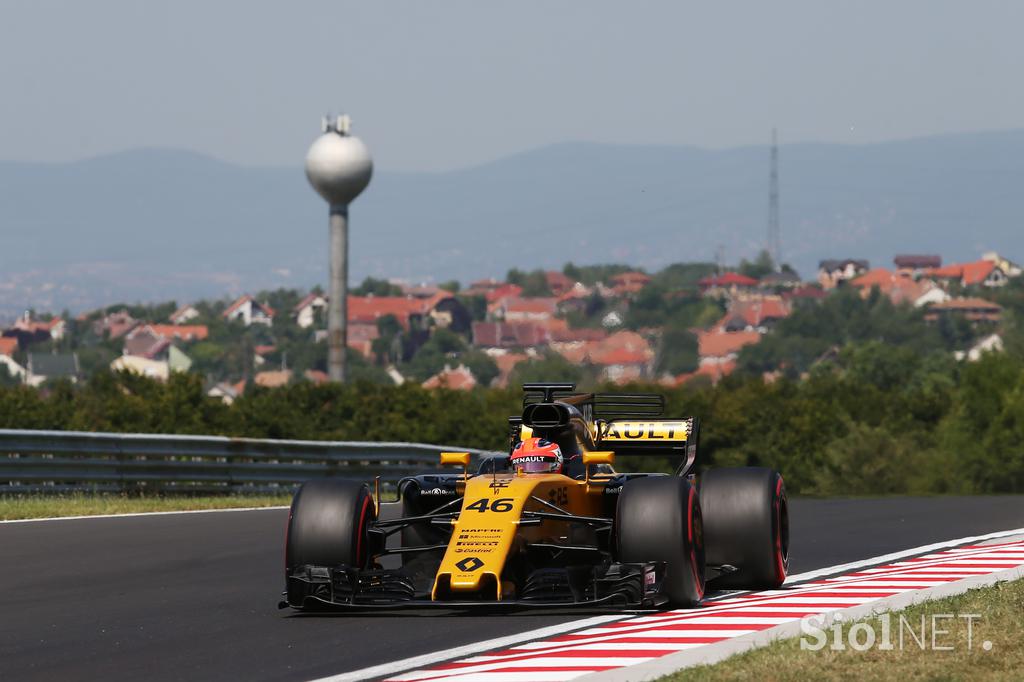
{"x":337,"y":304}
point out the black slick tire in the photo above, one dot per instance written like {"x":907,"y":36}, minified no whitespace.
{"x":658,"y":518}
{"x":327,"y":525}
{"x":746,"y":525}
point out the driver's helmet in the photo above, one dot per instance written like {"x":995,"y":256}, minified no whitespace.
{"x":537,"y":455}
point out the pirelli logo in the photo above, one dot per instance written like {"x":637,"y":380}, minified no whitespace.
{"x":662,"y":430}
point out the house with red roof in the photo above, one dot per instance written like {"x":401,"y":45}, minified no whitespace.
{"x":506,"y":363}
{"x":182,"y":332}
{"x":361,"y":337}
{"x":720,"y":346}
{"x":726,"y":284}
{"x":8,"y":347}
{"x":249,"y":311}
{"x":559,"y":283}
{"x":575,"y":299}
{"x":368,"y":309}
{"x":718,"y":351}
{"x":143,"y":342}
{"x":984,"y":273}
{"x":807,"y":292}
{"x":559,"y":332}
{"x":443,"y":309}
{"x":576,"y":352}
{"x":503,"y":291}
{"x":714,"y":372}
{"x":273,"y":378}
{"x":149,"y":340}
{"x":458,"y":379}
{"x":39,"y":330}
{"x":623,"y":356}
{"x":516,"y":309}
{"x":721,"y":349}
{"x":900,"y":288}
{"x":481,"y":287}
{"x":114,"y":325}
{"x":754,"y":313}
{"x":509,"y":335}
{"x":626,"y":283}
{"x":971,"y":309}
{"x":316,"y":376}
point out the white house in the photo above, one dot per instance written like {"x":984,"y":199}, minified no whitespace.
{"x":249,"y":311}
{"x":993,"y":343}
{"x":154,"y":369}
{"x":309,"y":309}
{"x":184,"y":314}
{"x":13,"y":368}
{"x":932,"y":295}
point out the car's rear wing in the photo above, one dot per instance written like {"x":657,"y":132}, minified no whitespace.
{"x":627,"y":437}
{"x":627,"y":423}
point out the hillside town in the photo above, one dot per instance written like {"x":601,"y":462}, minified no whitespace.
{"x":686,"y":323}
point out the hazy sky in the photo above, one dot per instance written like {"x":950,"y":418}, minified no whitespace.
{"x":436,"y":85}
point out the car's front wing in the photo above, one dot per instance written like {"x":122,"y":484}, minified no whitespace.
{"x":615,"y":586}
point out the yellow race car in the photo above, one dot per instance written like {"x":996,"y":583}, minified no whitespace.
{"x":551,"y":524}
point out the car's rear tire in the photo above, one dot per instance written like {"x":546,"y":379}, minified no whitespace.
{"x":658,"y":518}
{"x":327,"y":525}
{"x":746,"y":525}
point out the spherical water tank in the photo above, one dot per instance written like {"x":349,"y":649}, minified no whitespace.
{"x":339,"y":167}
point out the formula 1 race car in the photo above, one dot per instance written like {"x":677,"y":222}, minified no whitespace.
{"x":551,"y":524}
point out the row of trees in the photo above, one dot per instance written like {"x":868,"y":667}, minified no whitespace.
{"x":876,"y":419}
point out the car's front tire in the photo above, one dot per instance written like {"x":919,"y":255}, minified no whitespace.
{"x":327,"y":525}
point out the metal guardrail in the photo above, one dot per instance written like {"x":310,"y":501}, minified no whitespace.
{"x":76,"y":460}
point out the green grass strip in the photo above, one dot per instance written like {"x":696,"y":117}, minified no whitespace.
{"x":13,"y":507}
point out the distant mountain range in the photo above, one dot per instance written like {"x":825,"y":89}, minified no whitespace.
{"x":158,"y":224}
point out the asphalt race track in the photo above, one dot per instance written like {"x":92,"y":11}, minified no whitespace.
{"x":194,"y":596}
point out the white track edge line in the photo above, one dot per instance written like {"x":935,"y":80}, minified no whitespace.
{"x":888,"y":558}
{"x":132,"y":514}
{"x":424,"y":660}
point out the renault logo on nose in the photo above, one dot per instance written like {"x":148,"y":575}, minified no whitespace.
{"x":469,"y":564}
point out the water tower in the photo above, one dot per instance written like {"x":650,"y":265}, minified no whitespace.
{"x":339,"y":168}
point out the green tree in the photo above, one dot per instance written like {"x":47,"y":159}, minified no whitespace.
{"x":592,"y":274}
{"x":534,"y":282}
{"x":677,"y":351}
{"x":761,"y":266}
{"x":451,"y":285}
{"x":550,"y":367}
{"x":377,"y":287}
